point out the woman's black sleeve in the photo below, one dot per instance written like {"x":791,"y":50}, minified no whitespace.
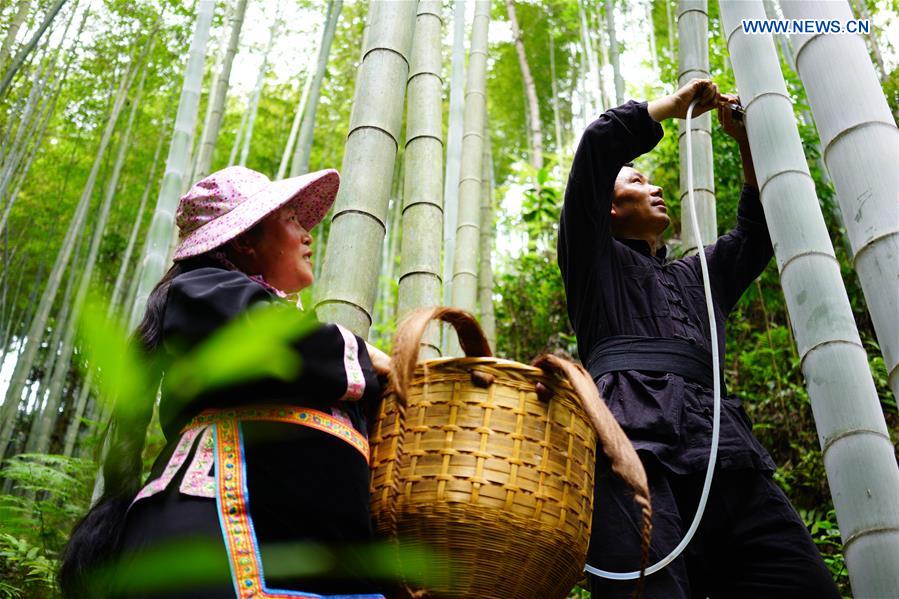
{"x":335,"y":364}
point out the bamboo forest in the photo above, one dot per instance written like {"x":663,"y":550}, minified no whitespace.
{"x":473,"y":141}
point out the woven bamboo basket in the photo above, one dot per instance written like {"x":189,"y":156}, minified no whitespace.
{"x":490,"y":464}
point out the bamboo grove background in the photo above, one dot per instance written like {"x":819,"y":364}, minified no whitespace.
{"x":91,"y":136}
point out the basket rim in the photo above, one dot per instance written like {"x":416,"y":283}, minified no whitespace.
{"x":480,"y":360}
{"x":464,"y":362}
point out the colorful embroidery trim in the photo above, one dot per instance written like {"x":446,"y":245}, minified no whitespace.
{"x":293,"y":415}
{"x":171,"y":469}
{"x":355,"y":379}
{"x":237,"y":526}
{"x":197,"y":480}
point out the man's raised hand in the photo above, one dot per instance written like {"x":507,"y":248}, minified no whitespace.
{"x":704,"y":89}
{"x":676,"y":104}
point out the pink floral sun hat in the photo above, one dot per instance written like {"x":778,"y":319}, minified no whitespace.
{"x":230,"y":201}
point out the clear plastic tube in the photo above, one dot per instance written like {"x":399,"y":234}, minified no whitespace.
{"x":716,"y":385}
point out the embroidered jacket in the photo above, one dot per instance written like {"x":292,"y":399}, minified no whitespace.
{"x":300,"y":484}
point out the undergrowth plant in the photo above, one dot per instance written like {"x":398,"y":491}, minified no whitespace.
{"x":49,"y":493}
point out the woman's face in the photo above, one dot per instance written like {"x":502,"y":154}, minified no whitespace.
{"x":283,"y":253}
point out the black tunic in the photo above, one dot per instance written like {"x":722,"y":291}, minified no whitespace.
{"x":751,"y":543}
{"x":617,"y":287}
{"x":305,"y":485}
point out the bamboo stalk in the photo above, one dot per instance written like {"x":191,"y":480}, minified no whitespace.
{"x":614,"y":51}
{"x":601,"y":40}
{"x":294,"y":128}
{"x":238,"y":139}
{"x":54,"y":399}
{"x":557,"y":123}
{"x":465,"y":263}
{"x":670,"y":27}
{"x":422,"y":225}
{"x":872,"y":40}
{"x":20,"y":56}
{"x":215,"y":109}
{"x":650,"y":25}
{"x":15,"y":24}
{"x":453,"y":154}
{"x":118,"y":287}
{"x":14,"y":152}
{"x":385,"y":304}
{"x":693,"y":63}
{"x":60,"y":324}
{"x":74,"y":425}
{"x":303,"y":149}
{"x":485,"y":265}
{"x":859,"y":458}
{"x":534,"y":127}
{"x":162,"y":227}
{"x":595,"y":75}
{"x":350,"y":273}
{"x":35,"y":333}
{"x":582,"y":94}
{"x":257,"y":91}
{"x":45,"y":122}
{"x":12,"y":315}
{"x":858,"y":137}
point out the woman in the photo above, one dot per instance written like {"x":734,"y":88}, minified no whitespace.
{"x":298,"y":448}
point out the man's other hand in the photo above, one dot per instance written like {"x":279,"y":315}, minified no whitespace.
{"x":729,"y":124}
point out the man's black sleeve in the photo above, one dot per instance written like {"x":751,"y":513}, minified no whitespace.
{"x":618,"y":136}
{"x":739,"y":256}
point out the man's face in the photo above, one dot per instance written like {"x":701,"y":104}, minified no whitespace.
{"x":638,"y":210}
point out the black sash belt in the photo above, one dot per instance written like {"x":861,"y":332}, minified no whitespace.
{"x":658,"y":354}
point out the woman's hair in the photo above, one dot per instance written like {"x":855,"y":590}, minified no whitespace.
{"x":95,"y":538}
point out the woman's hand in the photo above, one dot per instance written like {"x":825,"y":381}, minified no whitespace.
{"x":729,"y":124}
{"x":677,"y":103}
{"x":379,"y":360}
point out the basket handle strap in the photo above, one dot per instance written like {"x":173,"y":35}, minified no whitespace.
{"x":411,"y":330}
{"x":615,"y":444}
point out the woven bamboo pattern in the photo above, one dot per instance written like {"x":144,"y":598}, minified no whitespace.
{"x":495,"y":479}
{"x":488,"y":462}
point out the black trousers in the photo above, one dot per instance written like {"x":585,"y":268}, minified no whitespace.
{"x":751,"y":542}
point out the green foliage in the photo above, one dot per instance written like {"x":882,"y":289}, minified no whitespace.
{"x":826,"y":535}
{"x":541,"y":210}
{"x":162,"y":567}
{"x":506,"y":102}
{"x":531,"y":317}
{"x":530,"y":312}
{"x":578,"y":592}
{"x":50,"y":494}
{"x":122,"y":370}
{"x":25,"y":569}
{"x":762,"y":365}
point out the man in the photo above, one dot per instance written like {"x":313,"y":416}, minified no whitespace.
{"x":643,"y":333}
